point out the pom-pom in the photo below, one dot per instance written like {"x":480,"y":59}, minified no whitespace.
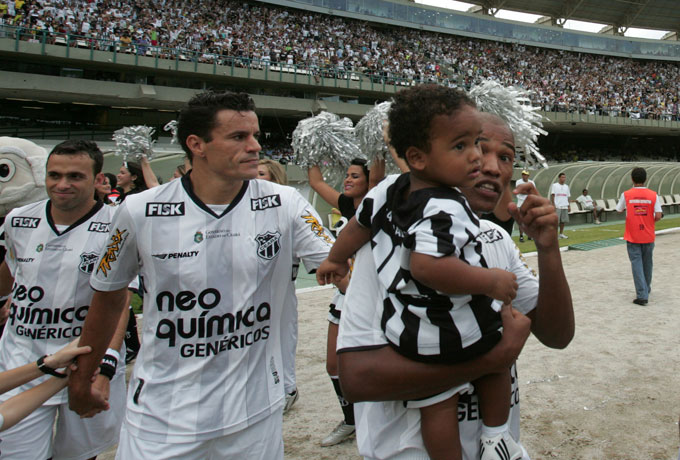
{"x":525,"y":123}
{"x":369,"y":133}
{"x":134,"y":142}
{"x":327,"y":141}
{"x":172,"y":127}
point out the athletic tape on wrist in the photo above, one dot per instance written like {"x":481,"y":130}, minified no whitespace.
{"x":109,"y":363}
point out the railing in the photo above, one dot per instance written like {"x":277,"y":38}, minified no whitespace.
{"x":325,"y":76}
{"x":273,"y":71}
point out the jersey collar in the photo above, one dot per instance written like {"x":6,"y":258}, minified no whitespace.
{"x":48,"y":210}
{"x":189,"y":188}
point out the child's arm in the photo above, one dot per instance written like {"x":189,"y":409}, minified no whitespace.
{"x":19,"y":406}
{"x":451,"y":275}
{"x":20,"y":375}
{"x":350,"y":239}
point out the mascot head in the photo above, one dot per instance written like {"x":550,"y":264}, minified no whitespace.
{"x":22,"y":173}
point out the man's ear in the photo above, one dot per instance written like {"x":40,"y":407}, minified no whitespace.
{"x":196,"y":145}
{"x":416,"y":158}
{"x":99,"y":179}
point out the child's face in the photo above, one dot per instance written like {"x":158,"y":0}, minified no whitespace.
{"x":455,"y":155}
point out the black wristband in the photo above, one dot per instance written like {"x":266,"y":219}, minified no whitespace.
{"x":108,"y":366}
{"x":47,"y":369}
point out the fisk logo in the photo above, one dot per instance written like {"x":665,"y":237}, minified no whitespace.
{"x":25,"y":222}
{"x":260,"y":204}
{"x":99,"y":227}
{"x":164,"y":209}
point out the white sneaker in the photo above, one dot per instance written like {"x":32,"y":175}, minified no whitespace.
{"x":597,"y":222}
{"x":563,"y":236}
{"x":500,"y":447}
{"x":291,"y":398}
{"x":341,"y":432}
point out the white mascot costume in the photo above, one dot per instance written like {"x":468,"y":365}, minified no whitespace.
{"x":22,"y":177}
{"x":22,"y":173}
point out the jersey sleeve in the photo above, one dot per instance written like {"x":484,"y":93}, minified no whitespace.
{"x":442,"y":231}
{"x":311,"y":241}
{"x":362,"y":309}
{"x":527,"y":281}
{"x":657,"y":205}
{"x":621,"y":205}
{"x":10,"y":254}
{"x":119,"y":261}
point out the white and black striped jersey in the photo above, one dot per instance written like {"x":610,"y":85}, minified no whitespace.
{"x":215,"y":288}
{"x":422,"y":323}
{"x":389,"y":429}
{"x":51,"y":292}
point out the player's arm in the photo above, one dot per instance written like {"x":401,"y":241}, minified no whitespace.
{"x":552,"y":321}
{"x":103,"y":380}
{"x":351,"y":238}
{"x":6,"y":280}
{"x":382,"y":374}
{"x":105,"y":310}
{"x":376,"y":173}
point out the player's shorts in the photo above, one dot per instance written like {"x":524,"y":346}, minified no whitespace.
{"x":261,"y":441}
{"x":75,"y":438}
{"x":335,"y":308}
{"x":432,"y":400}
{"x":562,"y":215}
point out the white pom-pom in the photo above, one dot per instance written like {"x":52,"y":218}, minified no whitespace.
{"x":134,"y":142}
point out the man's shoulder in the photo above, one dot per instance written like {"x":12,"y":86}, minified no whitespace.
{"x":29,"y":209}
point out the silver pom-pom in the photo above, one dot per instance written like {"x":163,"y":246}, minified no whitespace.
{"x":134,"y":142}
{"x":525,"y":123}
{"x":172,"y":127}
{"x":369,"y":133}
{"x":327,"y":141}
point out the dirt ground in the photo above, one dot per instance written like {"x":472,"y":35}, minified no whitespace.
{"x":611,"y":395}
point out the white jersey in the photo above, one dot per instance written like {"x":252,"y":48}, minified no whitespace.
{"x":51,"y":292}
{"x":388,"y":430}
{"x":562,"y":194}
{"x":210,"y":361}
{"x":422,"y":323}
{"x":522,"y":196}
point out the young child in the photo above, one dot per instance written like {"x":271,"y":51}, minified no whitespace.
{"x":19,"y":406}
{"x":423,"y":239}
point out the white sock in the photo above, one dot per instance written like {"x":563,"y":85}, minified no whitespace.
{"x":491,"y":431}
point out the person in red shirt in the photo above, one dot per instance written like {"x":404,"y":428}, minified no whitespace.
{"x":643,"y":210}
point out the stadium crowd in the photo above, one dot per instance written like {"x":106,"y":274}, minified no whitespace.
{"x":241,"y":34}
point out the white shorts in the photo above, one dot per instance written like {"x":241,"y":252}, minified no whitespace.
{"x":432,"y":400}
{"x":335,"y":308}
{"x":75,"y":438}
{"x":261,"y":441}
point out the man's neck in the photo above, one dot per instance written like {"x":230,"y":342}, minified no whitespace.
{"x":214,"y":190}
{"x":71,"y":216}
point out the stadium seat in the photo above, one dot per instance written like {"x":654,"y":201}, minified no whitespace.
{"x":574,"y":208}
{"x":670,"y":202}
{"x":611,"y":205}
{"x":603,"y":214}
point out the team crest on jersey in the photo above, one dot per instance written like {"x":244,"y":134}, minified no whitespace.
{"x":40,"y":248}
{"x":87,"y":262}
{"x":198,"y":237}
{"x":268,"y":245}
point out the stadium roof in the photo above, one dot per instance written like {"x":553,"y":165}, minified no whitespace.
{"x":644,"y":14}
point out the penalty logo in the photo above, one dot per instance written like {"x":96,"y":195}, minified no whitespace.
{"x":268,"y":245}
